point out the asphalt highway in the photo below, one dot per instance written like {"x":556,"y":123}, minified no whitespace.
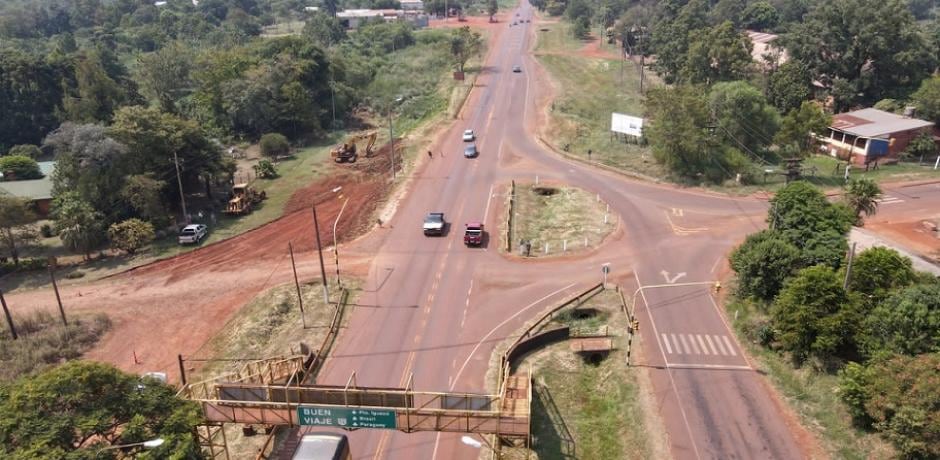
{"x":433,"y":310}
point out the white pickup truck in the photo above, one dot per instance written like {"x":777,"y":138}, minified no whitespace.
{"x":434,"y":224}
{"x":193,"y":234}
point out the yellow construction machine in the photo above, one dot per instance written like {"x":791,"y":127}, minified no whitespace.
{"x":244,"y":198}
{"x":347,"y":151}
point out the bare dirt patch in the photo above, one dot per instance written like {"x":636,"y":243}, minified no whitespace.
{"x":910,"y":234}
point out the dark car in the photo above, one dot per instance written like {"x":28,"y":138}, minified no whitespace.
{"x":471,"y":151}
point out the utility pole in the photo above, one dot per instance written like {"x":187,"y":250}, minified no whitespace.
{"x":316,"y":229}
{"x":848,"y":268}
{"x":6,"y":312}
{"x":58,"y":299}
{"x":179,"y":181}
{"x":335,"y":244}
{"x":391,"y":136}
{"x":300,"y":297}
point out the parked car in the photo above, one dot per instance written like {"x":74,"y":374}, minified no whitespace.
{"x":468,"y":136}
{"x":434,"y":224}
{"x":193,"y":234}
{"x":516,"y":69}
{"x":471,"y":151}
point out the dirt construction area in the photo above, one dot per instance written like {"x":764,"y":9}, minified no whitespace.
{"x":176,"y":305}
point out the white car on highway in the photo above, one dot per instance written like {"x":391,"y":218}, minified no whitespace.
{"x":468,"y":136}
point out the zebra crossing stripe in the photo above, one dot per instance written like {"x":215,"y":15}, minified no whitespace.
{"x":675,"y":342}
{"x":685,"y":345}
{"x":728,"y":342}
{"x":710,"y":344}
{"x":702,"y":343}
{"x":720,"y":346}
{"x":666,"y":343}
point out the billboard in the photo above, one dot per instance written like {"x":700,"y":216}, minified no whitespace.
{"x":626,"y":124}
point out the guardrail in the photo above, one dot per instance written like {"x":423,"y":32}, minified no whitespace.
{"x":509,"y":220}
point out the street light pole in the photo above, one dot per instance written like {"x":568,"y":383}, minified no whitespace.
{"x":391,"y":136}
{"x":179,"y":181}
{"x":336,"y":246}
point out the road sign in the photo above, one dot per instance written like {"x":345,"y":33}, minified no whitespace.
{"x":346,"y":417}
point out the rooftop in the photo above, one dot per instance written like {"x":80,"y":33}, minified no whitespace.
{"x":36,"y":189}
{"x":875,"y":123}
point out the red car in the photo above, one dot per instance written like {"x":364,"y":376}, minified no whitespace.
{"x":473,"y":235}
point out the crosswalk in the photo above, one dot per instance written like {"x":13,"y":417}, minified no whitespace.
{"x":698,"y":344}
{"x":889,"y":199}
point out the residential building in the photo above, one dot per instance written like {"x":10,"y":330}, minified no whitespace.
{"x":38,"y":191}
{"x":869,"y":135}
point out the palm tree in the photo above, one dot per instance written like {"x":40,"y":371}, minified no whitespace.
{"x":862,"y":196}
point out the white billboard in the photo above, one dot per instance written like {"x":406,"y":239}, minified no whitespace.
{"x":626,"y":124}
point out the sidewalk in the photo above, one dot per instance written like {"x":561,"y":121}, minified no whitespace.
{"x":867,"y":239}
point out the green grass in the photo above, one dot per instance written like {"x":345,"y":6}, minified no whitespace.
{"x":589,"y":90}
{"x":812,"y":394}
{"x":582,"y":410}
{"x":567,"y":214}
{"x":45,"y":342}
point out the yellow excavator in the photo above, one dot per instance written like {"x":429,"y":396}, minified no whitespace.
{"x":347,"y":151}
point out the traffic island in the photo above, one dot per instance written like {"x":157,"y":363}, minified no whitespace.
{"x":586,"y":401}
{"x":551,"y":219}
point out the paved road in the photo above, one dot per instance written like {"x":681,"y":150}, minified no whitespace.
{"x":434,"y":309}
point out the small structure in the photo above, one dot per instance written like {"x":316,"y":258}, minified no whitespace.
{"x":869,"y":135}
{"x":353,"y":19}
{"x":37,"y":191}
{"x":412,"y":5}
{"x":765,"y":52}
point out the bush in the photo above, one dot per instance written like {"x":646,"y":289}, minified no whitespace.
{"x":131,"y":235}
{"x":26,"y":265}
{"x":19,"y":167}
{"x":43,"y":342}
{"x":25,"y":150}
{"x":265,"y":169}
{"x":46,"y":231}
{"x":274,"y":145}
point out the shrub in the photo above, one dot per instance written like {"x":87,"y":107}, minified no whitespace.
{"x":44,"y":341}
{"x":274,"y":145}
{"x":265,"y":169}
{"x":131,"y":235}
{"x":25,"y":150}
{"x":19,"y":167}
{"x":26,"y":265}
{"x":46,"y":231}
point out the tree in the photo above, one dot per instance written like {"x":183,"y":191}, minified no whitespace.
{"x":143,"y":192}
{"x":927,"y":99}
{"x":683,"y":109}
{"x":78,"y":225}
{"x":720,"y":54}
{"x":30,"y":96}
{"x":921,"y":146}
{"x":801,"y":211}
{"x":727,"y":10}
{"x":670,"y":39}
{"x":15,"y":220}
{"x":96,"y":95}
{"x":759,"y":15}
{"x":799,"y":127}
{"x":274,"y":145}
{"x":324,"y":29}
{"x":131,"y":235}
{"x":91,"y":164}
{"x":763,"y":262}
{"x":19,"y":167}
{"x":464,"y":43}
{"x":744,"y":118}
{"x":789,"y":86}
{"x":25,"y":150}
{"x":857,"y":46}
{"x":901,"y":397}
{"x":74,"y":410}
{"x":165,"y":75}
{"x":813,"y":316}
{"x":878,"y":271}
{"x":907,"y":323}
{"x":492,"y":7}
{"x":862,"y":195}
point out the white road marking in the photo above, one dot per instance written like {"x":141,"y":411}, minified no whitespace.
{"x":486,"y":212}
{"x":709,"y":366}
{"x":676,"y":342}
{"x":673,"y":279}
{"x":666,"y":342}
{"x":720,"y":346}
{"x":728,"y":343}
{"x":694,"y":345}
{"x":710,"y":344}
{"x":702,"y":344}
{"x":685,"y":345}
{"x":715,"y":265}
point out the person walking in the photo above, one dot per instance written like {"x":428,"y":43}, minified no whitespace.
{"x":430,"y":155}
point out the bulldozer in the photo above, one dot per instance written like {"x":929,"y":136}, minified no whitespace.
{"x":347,"y":151}
{"x":244,"y":198}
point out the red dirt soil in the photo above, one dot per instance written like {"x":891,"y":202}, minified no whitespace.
{"x":175,"y":306}
{"x":910,"y":234}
